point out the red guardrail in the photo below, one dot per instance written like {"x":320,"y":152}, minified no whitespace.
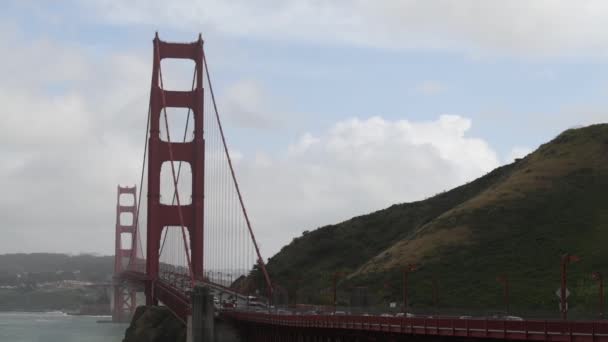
{"x":534,"y":330}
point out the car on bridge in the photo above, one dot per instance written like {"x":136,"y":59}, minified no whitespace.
{"x":406,"y":314}
{"x":504,"y":316}
{"x":256,"y":305}
{"x":283,"y":312}
{"x":228,"y":305}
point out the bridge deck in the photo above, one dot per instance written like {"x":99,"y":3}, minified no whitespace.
{"x":533,"y":330}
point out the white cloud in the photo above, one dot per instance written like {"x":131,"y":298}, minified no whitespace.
{"x":357,"y":166}
{"x":73,"y":128}
{"x":64,"y":151}
{"x":246,"y":103}
{"x":529,"y":28}
{"x":68,"y":138}
{"x":305,"y":142}
{"x":65,"y":143}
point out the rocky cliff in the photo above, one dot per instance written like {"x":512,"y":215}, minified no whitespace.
{"x":155,"y":324}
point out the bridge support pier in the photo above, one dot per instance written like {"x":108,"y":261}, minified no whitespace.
{"x":201,"y":321}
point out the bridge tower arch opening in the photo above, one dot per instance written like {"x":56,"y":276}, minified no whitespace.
{"x":188,"y":216}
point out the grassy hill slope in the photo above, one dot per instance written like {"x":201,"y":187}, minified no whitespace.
{"x":90,"y":267}
{"x":516,"y":220}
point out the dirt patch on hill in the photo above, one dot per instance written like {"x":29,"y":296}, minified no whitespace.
{"x":413,"y":251}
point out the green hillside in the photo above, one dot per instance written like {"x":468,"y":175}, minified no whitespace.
{"x":54,"y":266}
{"x":33,"y":282}
{"x":517,"y":220}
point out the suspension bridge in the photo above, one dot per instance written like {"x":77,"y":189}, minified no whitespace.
{"x":186,"y":226}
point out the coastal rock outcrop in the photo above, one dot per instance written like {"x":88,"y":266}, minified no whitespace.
{"x":155,"y":324}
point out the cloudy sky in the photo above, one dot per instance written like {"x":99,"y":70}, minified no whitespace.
{"x":332,"y":108}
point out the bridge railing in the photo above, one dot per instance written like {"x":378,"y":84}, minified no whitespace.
{"x":482,"y":328}
{"x":476,"y":313}
{"x":137,"y":265}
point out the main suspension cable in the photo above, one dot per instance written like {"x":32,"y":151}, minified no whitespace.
{"x":141,"y":181}
{"x":236,"y":184}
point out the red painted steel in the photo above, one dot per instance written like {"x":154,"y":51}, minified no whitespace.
{"x":176,"y":300}
{"x":435,"y":292}
{"x":406,"y":271}
{"x":598,"y":277}
{"x":172,"y":289}
{"x":533,"y":330}
{"x":504,"y":280}
{"x":159,"y":215}
{"x":565,"y":261}
{"x":335,"y":288}
{"x":124,"y":296}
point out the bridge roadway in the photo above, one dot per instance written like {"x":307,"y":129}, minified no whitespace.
{"x":176,"y":298}
{"x":470,"y":328}
{"x":173,"y":289}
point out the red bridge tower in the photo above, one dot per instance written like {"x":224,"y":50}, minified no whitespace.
{"x":189,"y":216}
{"x":124,"y":296}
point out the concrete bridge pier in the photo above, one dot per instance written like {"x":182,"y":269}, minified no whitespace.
{"x":201,"y":323}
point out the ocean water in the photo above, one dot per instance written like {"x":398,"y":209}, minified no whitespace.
{"x":57,"y":327}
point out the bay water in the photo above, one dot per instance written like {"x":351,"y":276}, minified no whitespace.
{"x":57,"y":327}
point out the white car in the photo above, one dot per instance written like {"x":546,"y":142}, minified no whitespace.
{"x":407,"y":314}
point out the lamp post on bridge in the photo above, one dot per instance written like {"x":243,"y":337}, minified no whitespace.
{"x":296,"y":282}
{"x":565,"y":260}
{"x":406,"y":271}
{"x":435,"y":292}
{"x":335,"y":288}
{"x":598,"y":276}
{"x":504,"y":280}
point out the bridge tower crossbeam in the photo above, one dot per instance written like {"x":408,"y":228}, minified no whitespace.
{"x":188,"y":216}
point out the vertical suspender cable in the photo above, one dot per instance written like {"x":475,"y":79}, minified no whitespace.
{"x":141,"y":181}
{"x":238,"y":191}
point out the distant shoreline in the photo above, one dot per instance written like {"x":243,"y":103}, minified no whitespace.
{"x":34,"y":311}
{"x":58,"y":313}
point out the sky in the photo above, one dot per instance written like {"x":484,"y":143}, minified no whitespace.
{"x":332,"y":109}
